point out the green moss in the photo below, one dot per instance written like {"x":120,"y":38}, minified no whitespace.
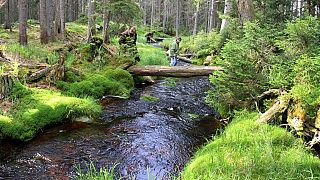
{"x":38,"y":109}
{"x":110,"y":81}
{"x":247,"y":150}
{"x":149,"y":98}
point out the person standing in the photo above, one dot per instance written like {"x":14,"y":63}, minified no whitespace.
{"x":128,"y":42}
{"x":174,"y":51}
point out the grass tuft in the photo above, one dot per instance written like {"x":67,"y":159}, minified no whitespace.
{"x":247,"y":150}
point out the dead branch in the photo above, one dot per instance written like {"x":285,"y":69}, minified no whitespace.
{"x":278,"y":108}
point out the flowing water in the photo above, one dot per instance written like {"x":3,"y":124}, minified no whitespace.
{"x":140,"y":138}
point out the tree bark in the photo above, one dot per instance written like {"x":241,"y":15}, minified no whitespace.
{"x":174,"y":71}
{"x":6,"y":84}
{"x":196,"y":14}
{"x":177,"y":18}
{"x":23,"y":39}
{"x":91,"y":23}
{"x":106,"y":21}
{"x":227,"y":10}
{"x":276,"y":110}
{"x":62,"y":17}
{"x":246,"y":11}
{"x":50,"y":17}
{"x":43,"y":23}
{"x":7,"y":19}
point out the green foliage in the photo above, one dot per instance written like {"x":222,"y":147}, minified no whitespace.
{"x":246,"y":64}
{"x":94,"y":174}
{"x":37,"y":109}
{"x":125,"y":11}
{"x":32,"y":52}
{"x":19,"y":91}
{"x":150,"y":55}
{"x":302,"y":36}
{"x":203,"y":44}
{"x":111,"y":81}
{"x":247,"y":150}
{"x":307,"y":86}
{"x":149,"y":98}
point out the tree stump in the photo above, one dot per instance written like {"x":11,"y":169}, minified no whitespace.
{"x":6,"y":84}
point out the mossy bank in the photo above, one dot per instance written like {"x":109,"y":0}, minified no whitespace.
{"x":36,"y":109}
{"x":247,"y":150}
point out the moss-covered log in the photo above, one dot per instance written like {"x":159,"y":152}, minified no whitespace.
{"x":279,"y":107}
{"x":174,"y":71}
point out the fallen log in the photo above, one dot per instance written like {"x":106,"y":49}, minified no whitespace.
{"x":184,"y":59}
{"x":39,"y":74}
{"x":174,"y":71}
{"x":278,"y":108}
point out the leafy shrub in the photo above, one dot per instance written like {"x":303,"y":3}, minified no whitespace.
{"x":246,"y":64}
{"x":302,"y":36}
{"x":307,"y":86}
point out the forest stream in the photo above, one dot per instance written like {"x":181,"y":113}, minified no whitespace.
{"x":140,"y":138}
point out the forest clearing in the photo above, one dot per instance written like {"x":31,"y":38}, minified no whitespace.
{"x":168,"y":89}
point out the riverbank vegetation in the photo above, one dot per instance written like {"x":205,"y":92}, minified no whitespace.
{"x":247,"y":150}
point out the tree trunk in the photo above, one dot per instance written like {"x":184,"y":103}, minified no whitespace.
{"x":196,"y":14}
{"x":57,"y":24}
{"x":177,"y":18}
{"x":6,"y":82}
{"x":165,"y":15}
{"x":174,"y":71}
{"x":23,"y":39}
{"x":7,"y":19}
{"x":246,"y":11}
{"x":227,"y":10}
{"x":62,"y":17}
{"x":50,"y":17}
{"x":91,"y":23}
{"x":43,"y":23}
{"x":106,"y":20}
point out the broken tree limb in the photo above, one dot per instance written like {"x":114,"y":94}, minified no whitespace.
{"x":39,"y":74}
{"x":173,"y":71}
{"x":184,"y":59}
{"x":279,"y":107}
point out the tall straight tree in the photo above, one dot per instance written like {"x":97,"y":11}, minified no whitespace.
{"x":23,"y":39}
{"x":7,"y":17}
{"x":91,"y":20}
{"x":49,"y":18}
{"x":43,"y":23}
{"x":246,"y":11}
{"x":106,"y":21}
{"x":177,"y":17}
{"x":196,"y":17}
{"x":62,"y":18}
{"x":227,"y":11}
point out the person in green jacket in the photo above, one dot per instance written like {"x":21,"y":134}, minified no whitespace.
{"x":174,"y":51}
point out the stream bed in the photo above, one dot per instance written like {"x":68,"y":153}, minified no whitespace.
{"x":140,"y":138}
